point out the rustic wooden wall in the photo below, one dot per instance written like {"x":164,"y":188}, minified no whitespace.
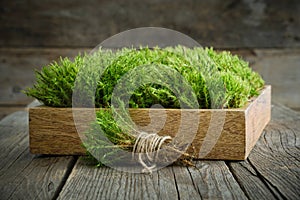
{"x":34,"y":32}
{"x":220,"y":23}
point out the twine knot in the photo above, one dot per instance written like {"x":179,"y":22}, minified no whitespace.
{"x":148,"y":145}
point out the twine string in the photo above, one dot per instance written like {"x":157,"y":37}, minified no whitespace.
{"x":148,"y":145}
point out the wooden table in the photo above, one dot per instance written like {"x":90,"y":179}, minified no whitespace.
{"x":272,"y":170}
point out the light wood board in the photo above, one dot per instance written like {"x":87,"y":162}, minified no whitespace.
{"x":52,"y":130}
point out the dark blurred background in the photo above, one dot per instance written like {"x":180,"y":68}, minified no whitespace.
{"x":35,"y":32}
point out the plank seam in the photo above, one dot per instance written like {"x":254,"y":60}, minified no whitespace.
{"x":237,"y":180}
{"x":69,"y":170}
{"x":158,"y":183}
{"x":176,"y":186}
{"x":267,"y":183}
{"x":197,"y":188}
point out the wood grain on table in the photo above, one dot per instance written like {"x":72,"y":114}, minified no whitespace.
{"x":270,"y":172}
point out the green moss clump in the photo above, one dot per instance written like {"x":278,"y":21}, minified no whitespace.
{"x":55,"y":82}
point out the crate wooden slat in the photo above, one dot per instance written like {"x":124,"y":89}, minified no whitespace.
{"x":52,"y":130}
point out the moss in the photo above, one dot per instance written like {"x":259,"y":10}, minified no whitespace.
{"x":55,"y":82}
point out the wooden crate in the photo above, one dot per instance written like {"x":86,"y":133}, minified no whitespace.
{"x":52,"y":130}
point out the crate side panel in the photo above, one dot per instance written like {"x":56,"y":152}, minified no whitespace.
{"x":258,"y":115}
{"x":52,"y":131}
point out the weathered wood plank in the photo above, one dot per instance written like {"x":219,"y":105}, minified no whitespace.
{"x":272,"y":170}
{"x":249,"y":180}
{"x":4,"y":111}
{"x":17,"y":70}
{"x":23,"y":175}
{"x":279,"y":68}
{"x":223,"y":24}
{"x":274,"y":163}
{"x":212,"y":180}
{"x":276,"y":156}
{"x":88,"y":182}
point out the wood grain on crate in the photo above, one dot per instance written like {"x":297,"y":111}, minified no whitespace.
{"x":52,"y":130}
